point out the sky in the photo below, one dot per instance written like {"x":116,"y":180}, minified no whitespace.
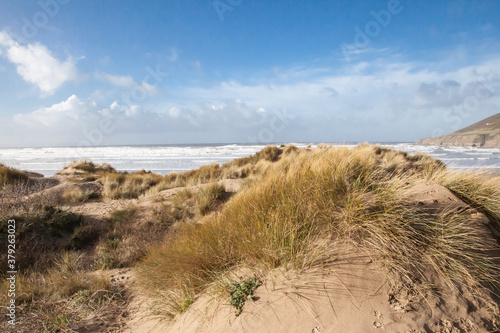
{"x":123,"y":72}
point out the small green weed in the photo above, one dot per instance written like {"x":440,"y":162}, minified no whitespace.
{"x":243,"y":291}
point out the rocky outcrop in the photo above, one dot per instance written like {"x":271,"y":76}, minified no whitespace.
{"x":473,"y":140}
{"x":485,"y":133}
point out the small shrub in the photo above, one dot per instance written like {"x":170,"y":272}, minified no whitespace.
{"x":241,"y":292}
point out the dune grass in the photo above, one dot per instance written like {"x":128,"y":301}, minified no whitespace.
{"x":61,"y":296}
{"x":209,"y":197}
{"x":480,"y":190}
{"x":9,"y":175}
{"x":356,"y":196}
{"x":77,"y":194}
{"x":91,"y":167}
{"x":123,"y":185}
{"x":127,"y":186}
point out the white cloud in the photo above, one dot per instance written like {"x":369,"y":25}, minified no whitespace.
{"x":35,"y":64}
{"x":71,"y":110}
{"x":120,"y":81}
{"x":129,"y":83}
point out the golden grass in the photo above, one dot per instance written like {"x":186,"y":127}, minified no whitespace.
{"x":91,"y":167}
{"x":357,"y":196}
{"x":77,"y":194}
{"x":9,"y":175}
{"x":269,"y":153}
{"x":209,"y":197}
{"x":127,"y":186}
{"x":63,"y":295}
{"x":480,"y":190}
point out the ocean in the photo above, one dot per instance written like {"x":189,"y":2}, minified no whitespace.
{"x":177,"y":158}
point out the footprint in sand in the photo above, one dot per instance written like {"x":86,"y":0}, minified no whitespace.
{"x":378,"y":322}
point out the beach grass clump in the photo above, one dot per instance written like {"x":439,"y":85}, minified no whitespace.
{"x":162,"y":213}
{"x":84,"y":165}
{"x":355,"y":196}
{"x":91,"y":167}
{"x":269,"y":153}
{"x":122,"y":216}
{"x":62,"y":295}
{"x":480,"y":190}
{"x":238,"y":168}
{"x":10,"y":175}
{"x":209,"y":197}
{"x":77,"y":194}
{"x":128,"y":186}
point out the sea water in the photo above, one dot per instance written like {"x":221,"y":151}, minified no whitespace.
{"x":166,"y":159}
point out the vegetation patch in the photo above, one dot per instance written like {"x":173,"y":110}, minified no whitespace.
{"x":241,"y":292}
{"x":77,"y":194}
{"x":127,"y":186}
{"x":344,"y":195}
{"x":91,"y":167}
{"x":9,"y":175}
{"x":209,"y":197}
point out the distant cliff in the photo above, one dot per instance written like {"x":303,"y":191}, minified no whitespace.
{"x":484,"y":133}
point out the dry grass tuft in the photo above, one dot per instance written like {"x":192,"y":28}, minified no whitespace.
{"x":269,"y":153}
{"x":480,"y":190}
{"x":91,"y":167}
{"x":127,"y":186}
{"x":9,"y":175}
{"x":210,"y":197}
{"x":62,"y":295}
{"x":77,"y":194}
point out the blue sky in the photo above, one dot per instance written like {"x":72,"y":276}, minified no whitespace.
{"x":89,"y":73}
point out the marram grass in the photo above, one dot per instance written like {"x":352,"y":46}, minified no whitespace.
{"x":346,"y":195}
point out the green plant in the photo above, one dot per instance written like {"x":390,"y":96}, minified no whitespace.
{"x":241,"y":292}
{"x":184,"y":305}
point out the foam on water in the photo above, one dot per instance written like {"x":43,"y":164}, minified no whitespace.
{"x":166,"y":159}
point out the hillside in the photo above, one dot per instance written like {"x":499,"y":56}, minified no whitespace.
{"x":319,"y":239}
{"x":484,"y":133}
